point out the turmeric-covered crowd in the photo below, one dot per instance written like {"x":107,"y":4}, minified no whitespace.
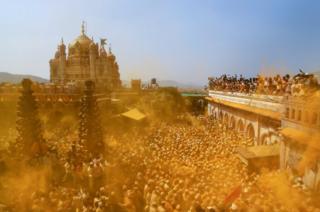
{"x":172,"y":167}
{"x":299,"y":85}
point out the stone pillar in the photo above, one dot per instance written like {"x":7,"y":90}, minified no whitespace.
{"x":93,"y":56}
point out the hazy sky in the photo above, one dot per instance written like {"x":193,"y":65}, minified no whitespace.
{"x":184,"y":40}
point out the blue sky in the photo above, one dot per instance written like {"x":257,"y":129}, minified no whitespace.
{"x":182,"y":40}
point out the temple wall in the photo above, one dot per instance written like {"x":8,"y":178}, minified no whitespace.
{"x":273,"y":103}
{"x":268,"y":130}
{"x":263,"y":130}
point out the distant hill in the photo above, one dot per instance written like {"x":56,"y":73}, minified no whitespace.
{"x":317,"y":74}
{"x":16,"y":78}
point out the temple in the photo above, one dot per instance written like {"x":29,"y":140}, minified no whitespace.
{"x":85,"y":60}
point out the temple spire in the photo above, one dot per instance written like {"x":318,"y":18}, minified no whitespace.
{"x":83,"y":28}
{"x":110,"y":49}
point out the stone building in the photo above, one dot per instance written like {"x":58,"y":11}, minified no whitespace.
{"x":85,"y":60}
{"x":285,"y":128}
{"x":300,"y":150}
{"x":136,"y":84}
{"x":257,"y":116}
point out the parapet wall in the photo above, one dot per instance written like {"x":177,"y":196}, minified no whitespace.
{"x":265,"y":102}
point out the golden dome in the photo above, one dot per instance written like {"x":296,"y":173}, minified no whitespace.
{"x":83,"y":40}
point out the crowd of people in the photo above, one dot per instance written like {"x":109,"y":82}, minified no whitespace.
{"x":298,"y":85}
{"x":172,"y":167}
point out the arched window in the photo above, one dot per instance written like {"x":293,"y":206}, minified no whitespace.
{"x":250,"y":131}
{"x":264,"y":139}
{"x":221,"y":116}
{"x":240,"y":126}
{"x":226,"y":118}
{"x":232,"y":123}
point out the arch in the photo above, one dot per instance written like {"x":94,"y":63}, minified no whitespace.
{"x":274,"y":137}
{"x":232,"y":123}
{"x":250,"y":131}
{"x":226,"y":119}
{"x":200,"y":103}
{"x":220,"y":116}
{"x":264,"y":140}
{"x":240,"y":126}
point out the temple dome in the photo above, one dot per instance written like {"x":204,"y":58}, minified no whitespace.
{"x":83,"y":40}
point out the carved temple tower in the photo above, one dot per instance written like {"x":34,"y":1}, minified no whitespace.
{"x":86,"y":60}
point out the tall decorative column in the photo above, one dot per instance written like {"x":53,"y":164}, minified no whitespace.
{"x":62,"y":62}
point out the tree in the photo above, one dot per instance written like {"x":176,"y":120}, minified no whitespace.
{"x":90,"y":130}
{"x":30,"y":142}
